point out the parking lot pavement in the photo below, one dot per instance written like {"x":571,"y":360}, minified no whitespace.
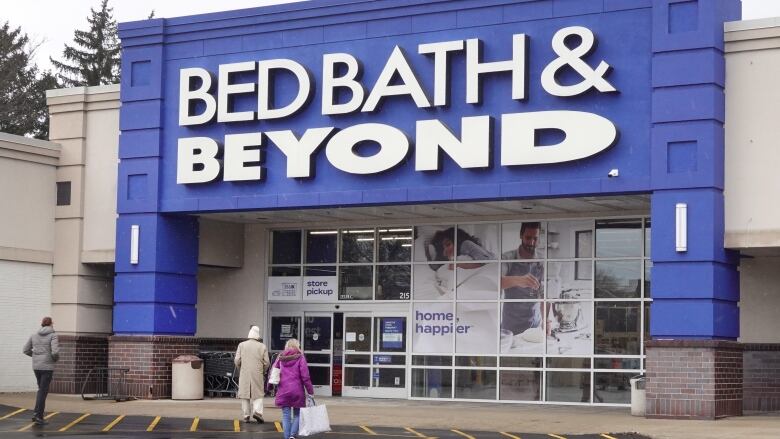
{"x":16,"y":423}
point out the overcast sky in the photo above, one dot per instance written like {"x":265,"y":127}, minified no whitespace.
{"x":51,"y":22}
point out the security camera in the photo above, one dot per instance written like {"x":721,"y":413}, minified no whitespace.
{"x":613,"y":173}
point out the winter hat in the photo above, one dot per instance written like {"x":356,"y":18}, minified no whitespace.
{"x":254,"y":332}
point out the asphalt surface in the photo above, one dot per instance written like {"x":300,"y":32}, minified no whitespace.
{"x":16,"y":423}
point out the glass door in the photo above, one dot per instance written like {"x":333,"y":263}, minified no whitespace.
{"x":374,"y":355}
{"x":283,"y":328}
{"x":317,"y":346}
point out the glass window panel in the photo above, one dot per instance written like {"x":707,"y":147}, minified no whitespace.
{"x":320,"y":375}
{"x":432,"y":383}
{"x":286,"y":247}
{"x":571,"y":330}
{"x":523,"y":240}
{"x":356,"y":283}
{"x":475,"y":384}
{"x":357,"y":359}
{"x":321,"y":246}
{"x":563,"y":283}
{"x":568,"y":386}
{"x":522,"y":280}
{"x":317,"y":358}
{"x":569,"y":239}
{"x":520,"y":385}
{"x":431,"y":360}
{"x":522,"y":328}
{"x":475,"y":328}
{"x":393,"y":282}
{"x":395,"y":244}
{"x":568,"y":363}
{"x":316,"y":333}
{"x":618,"y":238}
{"x":648,"y":278}
{"x":432,"y":327}
{"x":357,"y":334}
{"x":390,"y":360}
{"x":284,"y":271}
{"x":327,"y":270}
{"x":434,"y":282}
{"x":616,"y":363}
{"x":357,"y":245}
{"x":477,"y":281}
{"x":477,"y":242}
{"x":617,"y":328}
{"x":648,"y":229}
{"x":283,"y":329}
{"x":386,"y":377}
{"x":390,"y":334}
{"x":612,"y":387}
{"x":521,"y":362}
{"x":618,"y":279}
{"x":357,"y":377}
{"x":434,"y":243}
{"x":475,"y":361}
{"x":647,"y":325}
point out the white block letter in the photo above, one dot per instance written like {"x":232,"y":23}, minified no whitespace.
{"x":475,"y":68}
{"x":264,"y":88}
{"x":187,"y":96}
{"x":587,"y":134}
{"x":349,"y":80}
{"x":439,"y":51}
{"x":299,"y":152}
{"x":392,"y":142}
{"x":197,"y":151}
{"x":397,"y":63}
{"x":237,"y":156}
{"x":472,"y":150}
{"x":226,"y":89}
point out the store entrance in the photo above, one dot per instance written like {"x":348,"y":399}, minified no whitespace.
{"x":360,"y":354}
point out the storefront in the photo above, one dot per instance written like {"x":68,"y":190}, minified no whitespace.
{"x":445,"y":199}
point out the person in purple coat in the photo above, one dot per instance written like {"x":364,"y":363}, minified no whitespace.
{"x":290,"y":395}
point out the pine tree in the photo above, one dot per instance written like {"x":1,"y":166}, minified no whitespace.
{"x":23,"y":109}
{"x":94,"y":60}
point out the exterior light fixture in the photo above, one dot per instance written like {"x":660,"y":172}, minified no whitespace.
{"x":135,"y":231}
{"x":681,"y":227}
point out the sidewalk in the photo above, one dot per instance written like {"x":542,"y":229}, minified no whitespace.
{"x":435,"y":414}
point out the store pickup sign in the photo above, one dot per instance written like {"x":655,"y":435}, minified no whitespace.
{"x":207,"y":97}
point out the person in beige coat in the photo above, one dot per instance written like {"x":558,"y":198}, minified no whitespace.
{"x":252,"y":361}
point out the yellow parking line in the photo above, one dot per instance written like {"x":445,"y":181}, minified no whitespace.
{"x":153,"y":423}
{"x":606,"y":436}
{"x":12,"y":414}
{"x":463,"y":434}
{"x":113,"y":423}
{"x":411,"y":430}
{"x":194,"y":426}
{"x":368,"y":430}
{"x":30,"y":425}
{"x":555,"y":436}
{"x":236,"y":426}
{"x":79,"y":419}
{"x":278,"y":427}
{"x":509,"y":435}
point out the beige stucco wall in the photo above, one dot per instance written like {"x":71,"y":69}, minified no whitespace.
{"x":759,"y":300}
{"x":231,"y":299}
{"x":752,"y":134}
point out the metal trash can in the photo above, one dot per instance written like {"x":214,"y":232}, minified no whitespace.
{"x":638,"y":395}
{"x":187,"y":377}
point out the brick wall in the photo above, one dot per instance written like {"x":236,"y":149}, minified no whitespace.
{"x":149,"y":360}
{"x":694,"y":379}
{"x":219,"y":344}
{"x":78,"y":354}
{"x":761,"y":377}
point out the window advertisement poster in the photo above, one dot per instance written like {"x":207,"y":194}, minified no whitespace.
{"x":320,"y":288}
{"x":284,"y":288}
{"x":571,"y":330}
{"x":392,"y":337}
{"x":434,"y":328}
{"x":475,"y":328}
{"x":522,"y":329}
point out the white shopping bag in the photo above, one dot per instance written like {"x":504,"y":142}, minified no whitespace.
{"x":313,"y":419}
